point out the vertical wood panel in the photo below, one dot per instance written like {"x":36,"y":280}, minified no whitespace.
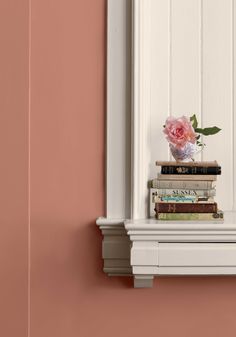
{"x":185,"y":57}
{"x":186,"y":67}
{"x":141,"y":111}
{"x":192,"y":67}
{"x":234,"y":97}
{"x":176,"y":67}
{"x":118,"y":109}
{"x":159,"y":80}
{"x":217,"y":92}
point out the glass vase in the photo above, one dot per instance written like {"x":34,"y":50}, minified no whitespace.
{"x":185,"y":153}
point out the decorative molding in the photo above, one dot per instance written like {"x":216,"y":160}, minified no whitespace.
{"x":141,"y":117}
{"x":115,"y":247}
{"x":175,"y":248}
{"x":118,"y":116}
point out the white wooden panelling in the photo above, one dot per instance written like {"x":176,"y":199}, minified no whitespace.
{"x":118,"y":151}
{"x":141,"y":118}
{"x":144,"y":253}
{"x":160,"y":83}
{"x":192,"y":71}
{"x":234,"y":100}
{"x":185,"y":57}
{"x":203,"y":270}
{"x":192,"y":254}
{"x":176,"y":67}
{"x":165,"y":248}
{"x":209,"y":271}
{"x":218,"y":92}
{"x":183,"y":63}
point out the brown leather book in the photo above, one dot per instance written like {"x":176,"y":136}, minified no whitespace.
{"x":185,"y":208}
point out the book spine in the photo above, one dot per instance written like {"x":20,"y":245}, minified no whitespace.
{"x":192,"y":163}
{"x":190,"y":216}
{"x":190,"y":170}
{"x":187,"y":177}
{"x":183,"y":199}
{"x":152,"y":195}
{"x":177,"y":192}
{"x":180,"y":184}
{"x":185,"y":208}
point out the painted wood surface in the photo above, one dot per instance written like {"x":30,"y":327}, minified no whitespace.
{"x":118,"y":157}
{"x":175,"y":248}
{"x":192,"y":71}
{"x":182,"y":61}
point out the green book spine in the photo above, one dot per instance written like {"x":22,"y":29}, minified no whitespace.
{"x":190,"y":216}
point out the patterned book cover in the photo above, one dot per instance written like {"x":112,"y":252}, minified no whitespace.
{"x":183,"y":199}
{"x":219,"y":216}
{"x":176,"y":192}
{"x":183,"y":184}
{"x":154,"y":193}
{"x":191,"y":170}
{"x":185,"y":208}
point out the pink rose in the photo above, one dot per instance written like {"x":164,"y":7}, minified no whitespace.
{"x":179,"y":131}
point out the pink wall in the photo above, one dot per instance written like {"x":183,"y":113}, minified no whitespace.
{"x":14,"y":86}
{"x":70,"y":295}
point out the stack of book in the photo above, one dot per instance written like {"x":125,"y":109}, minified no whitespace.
{"x":185,"y":191}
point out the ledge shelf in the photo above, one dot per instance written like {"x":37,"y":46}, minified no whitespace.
{"x":148,"y":248}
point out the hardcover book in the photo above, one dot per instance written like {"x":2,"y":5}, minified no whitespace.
{"x":183,"y":184}
{"x":152,"y":196}
{"x":185,"y":208}
{"x":177,"y":192}
{"x":219,"y":216}
{"x":183,"y":199}
{"x":207,"y":170}
{"x":190,"y":164}
{"x":187,"y":177}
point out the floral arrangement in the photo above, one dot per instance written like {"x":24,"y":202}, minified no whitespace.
{"x":184,"y":136}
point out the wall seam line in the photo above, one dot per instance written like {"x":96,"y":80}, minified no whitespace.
{"x":201,"y":68}
{"x":29,"y":173}
{"x":170,"y":65}
{"x":232,"y":108}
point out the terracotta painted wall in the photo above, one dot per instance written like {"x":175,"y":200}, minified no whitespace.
{"x":14,"y":87}
{"x":64,"y":145}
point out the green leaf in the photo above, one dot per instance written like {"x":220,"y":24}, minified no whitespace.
{"x":208,"y":131}
{"x":194,"y":121}
{"x":200,"y":143}
{"x":198,"y":137}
